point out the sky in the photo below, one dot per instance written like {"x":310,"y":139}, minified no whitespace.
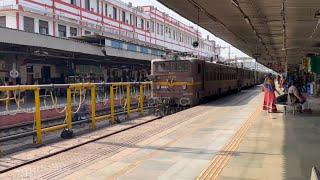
{"x":225,"y":52}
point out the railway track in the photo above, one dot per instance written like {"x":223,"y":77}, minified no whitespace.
{"x":107,"y":146}
{"x":27,"y":129}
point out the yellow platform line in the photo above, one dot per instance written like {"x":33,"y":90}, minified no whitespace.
{"x":220,"y":160}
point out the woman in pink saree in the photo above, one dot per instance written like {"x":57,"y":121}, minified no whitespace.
{"x":269,"y":94}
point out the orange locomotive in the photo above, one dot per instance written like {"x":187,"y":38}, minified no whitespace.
{"x":187,"y":81}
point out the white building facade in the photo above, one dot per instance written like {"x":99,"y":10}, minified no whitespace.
{"x":67,"y":18}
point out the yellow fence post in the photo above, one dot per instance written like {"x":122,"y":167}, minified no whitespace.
{"x":112,"y":108}
{"x":69,"y":109}
{"x":128,"y":100}
{"x":141,"y":98}
{"x":7,"y":100}
{"x":93,"y":106}
{"x":37,"y":114}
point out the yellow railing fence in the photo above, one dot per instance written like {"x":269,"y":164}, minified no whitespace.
{"x":128,"y":91}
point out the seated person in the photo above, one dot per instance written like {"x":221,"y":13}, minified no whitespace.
{"x":294,"y":95}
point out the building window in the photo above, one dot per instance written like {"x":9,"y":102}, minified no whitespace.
{"x":144,"y":50}
{"x":158,"y":28}
{"x":73,"y":2}
{"x":98,"y":5}
{"x":132,"y":47}
{"x":161,"y":30}
{"x":174,"y":34}
{"x":106,"y":9}
{"x":87,"y":32}
{"x":131,"y":19}
{"x":87,"y":4}
{"x":142,"y":24}
{"x":116,"y":44}
{"x":136,"y":21}
{"x":123,"y":16}
{"x":28,"y":24}
{"x":147,"y":25}
{"x":43,"y":27}
{"x":114,"y":13}
{"x":2,"y":21}
{"x":73,"y":31}
{"x":152,"y":26}
{"x":62,"y":30}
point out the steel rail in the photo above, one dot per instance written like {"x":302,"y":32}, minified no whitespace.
{"x":33,"y":132}
{"x":76,"y":146}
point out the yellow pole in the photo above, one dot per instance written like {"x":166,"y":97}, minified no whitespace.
{"x":37,"y":114}
{"x":69,"y":109}
{"x":7,"y":100}
{"x":93,"y":106}
{"x":128,"y":100}
{"x":141,"y":98}
{"x":112,"y":108}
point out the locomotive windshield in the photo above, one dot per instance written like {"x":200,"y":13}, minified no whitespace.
{"x":172,"y":66}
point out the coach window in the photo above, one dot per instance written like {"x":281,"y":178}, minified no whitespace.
{"x":43,"y":27}
{"x":28,"y":24}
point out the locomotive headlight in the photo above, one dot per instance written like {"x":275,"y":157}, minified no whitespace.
{"x":184,"y":87}
{"x":158,"y":86}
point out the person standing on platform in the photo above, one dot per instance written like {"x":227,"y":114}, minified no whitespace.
{"x":269,"y":94}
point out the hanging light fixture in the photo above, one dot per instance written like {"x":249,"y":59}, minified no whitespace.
{"x":195,"y":44}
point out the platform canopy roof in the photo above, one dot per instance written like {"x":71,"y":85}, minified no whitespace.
{"x":273,"y":31}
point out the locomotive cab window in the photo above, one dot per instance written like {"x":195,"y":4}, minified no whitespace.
{"x":172,"y":66}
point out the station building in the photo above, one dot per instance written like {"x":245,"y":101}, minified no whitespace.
{"x":139,"y":30}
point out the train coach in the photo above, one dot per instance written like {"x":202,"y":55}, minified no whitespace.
{"x":187,"y":81}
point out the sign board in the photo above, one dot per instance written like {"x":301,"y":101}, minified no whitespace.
{"x":14,"y":73}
